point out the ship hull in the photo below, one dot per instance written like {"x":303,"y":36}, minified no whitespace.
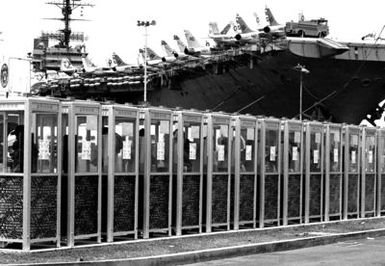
{"x":338,"y":90}
{"x":335,"y":89}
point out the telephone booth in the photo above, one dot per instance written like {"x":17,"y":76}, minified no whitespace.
{"x":82,"y":171}
{"x":333,"y":171}
{"x":120,"y":161}
{"x":245,"y":171}
{"x":314,"y":171}
{"x":368,"y":171}
{"x":188,"y":171}
{"x":217,"y":192}
{"x":269,"y":171}
{"x":381,"y":172}
{"x":292,"y":171}
{"x":352,"y":163}
{"x":155,"y":195}
{"x":30,"y":171}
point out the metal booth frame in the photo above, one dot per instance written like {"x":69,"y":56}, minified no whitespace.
{"x":124,"y":221}
{"x":274,"y":154}
{"x":245,"y":171}
{"x":333,"y":170}
{"x":217,"y":152}
{"x":292,"y":151}
{"x":368,"y":171}
{"x":163,"y":116}
{"x":72,"y":111}
{"x":380,"y":205}
{"x":36,"y":187}
{"x":187,"y":177}
{"x":314,"y":157}
{"x":352,"y":136}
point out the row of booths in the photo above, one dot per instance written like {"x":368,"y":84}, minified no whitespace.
{"x":76,"y":171}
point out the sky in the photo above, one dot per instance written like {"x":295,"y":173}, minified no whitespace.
{"x":112,"y":26}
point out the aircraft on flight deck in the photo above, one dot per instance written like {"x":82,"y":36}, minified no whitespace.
{"x":121,"y":66}
{"x":67,"y":67}
{"x":153,"y":59}
{"x":182,"y":47}
{"x":89,"y":67}
{"x":178,"y":55}
{"x":223,"y":38}
{"x":194,"y":47}
{"x":273,"y":26}
{"x":269,"y":32}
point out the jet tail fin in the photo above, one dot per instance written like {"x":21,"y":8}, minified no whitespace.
{"x":242,"y":24}
{"x":168,"y":50}
{"x":213,"y":28}
{"x":270,"y":18}
{"x":226,"y":29}
{"x":117,"y":60}
{"x":66,"y":65}
{"x":86,"y":64}
{"x":151,"y":55}
{"x":182,"y":47}
{"x":191,"y":41}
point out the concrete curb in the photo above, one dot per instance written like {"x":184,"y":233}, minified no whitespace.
{"x":227,"y":252}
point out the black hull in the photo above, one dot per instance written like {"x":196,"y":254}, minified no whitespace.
{"x":336,"y":90}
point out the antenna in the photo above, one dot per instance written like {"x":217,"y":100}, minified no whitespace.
{"x":67,"y":6}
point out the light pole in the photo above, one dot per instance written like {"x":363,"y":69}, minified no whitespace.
{"x":301,"y":69}
{"x":145,"y":24}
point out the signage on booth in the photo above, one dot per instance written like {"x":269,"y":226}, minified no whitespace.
{"x":192,"y":151}
{"x":335,"y":155}
{"x":86,"y":150}
{"x":221,"y":153}
{"x":249,"y":152}
{"x":272,"y":153}
{"x":127,"y":149}
{"x":44,"y":153}
{"x":160,"y":151}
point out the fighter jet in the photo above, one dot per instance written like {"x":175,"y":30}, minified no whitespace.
{"x":89,"y":67}
{"x":223,"y":38}
{"x":178,"y":55}
{"x":269,"y":32}
{"x":121,"y":66}
{"x":194,"y":47}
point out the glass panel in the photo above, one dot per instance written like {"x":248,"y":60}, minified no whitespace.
{"x":142,"y":146}
{"x":295,"y":151}
{"x":315,"y":151}
{"x":205,"y":147}
{"x":86,"y":148}
{"x":247,"y":149}
{"x":271,"y":151}
{"x":221,"y":148}
{"x":3,"y":146}
{"x":370,"y":153}
{"x":44,"y":143}
{"x":125,"y":144}
{"x":160,"y":145}
{"x":191,"y":147}
{"x":15,"y":142}
{"x":381,"y":150}
{"x":353,"y":153}
{"x":105,"y":144}
{"x":335,"y":151}
{"x":65,"y":142}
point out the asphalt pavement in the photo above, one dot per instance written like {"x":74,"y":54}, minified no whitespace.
{"x":368,"y":251}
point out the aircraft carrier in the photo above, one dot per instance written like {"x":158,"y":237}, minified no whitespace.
{"x":345,"y":82}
